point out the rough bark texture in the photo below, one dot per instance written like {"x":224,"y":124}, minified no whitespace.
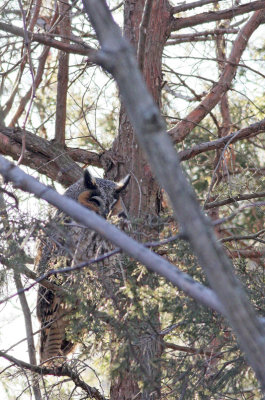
{"x":144,"y":193}
{"x":143,"y":196}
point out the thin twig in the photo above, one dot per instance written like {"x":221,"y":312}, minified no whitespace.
{"x":234,"y":199}
{"x":63,"y":370}
{"x":234,"y":214}
{"x":33,"y":90}
{"x":43,"y":279}
{"x":243,"y":237}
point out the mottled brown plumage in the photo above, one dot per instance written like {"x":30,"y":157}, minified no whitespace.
{"x":68,"y":244}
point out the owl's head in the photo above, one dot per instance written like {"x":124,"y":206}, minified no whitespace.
{"x":103,"y":195}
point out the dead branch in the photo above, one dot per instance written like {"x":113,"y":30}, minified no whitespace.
{"x":38,"y":78}
{"x":235,"y":213}
{"x":41,"y":155}
{"x":150,"y":132}
{"x":44,"y":38}
{"x":234,"y":199}
{"x":93,"y":221}
{"x":206,"y":17}
{"x":191,"y":6}
{"x":244,"y":133}
{"x":64,"y":370}
{"x":183,"y":128}
{"x":243,"y":237}
{"x":47,"y":158}
{"x":192,"y":350}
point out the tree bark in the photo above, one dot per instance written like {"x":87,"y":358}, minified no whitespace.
{"x":147,"y":29}
{"x":143,"y":196}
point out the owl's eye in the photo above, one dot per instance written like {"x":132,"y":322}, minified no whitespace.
{"x":96,"y":200}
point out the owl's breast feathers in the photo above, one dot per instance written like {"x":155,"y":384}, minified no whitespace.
{"x":66,"y":244}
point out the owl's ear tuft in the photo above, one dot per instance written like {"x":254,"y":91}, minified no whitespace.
{"x":122,"y":184}
{"x":89,"y":181}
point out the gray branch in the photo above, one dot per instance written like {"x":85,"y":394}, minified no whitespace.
{"x":93,"y":221}
{"x":117,"y":57}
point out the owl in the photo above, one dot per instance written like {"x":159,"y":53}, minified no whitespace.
{"x":67,"y":244}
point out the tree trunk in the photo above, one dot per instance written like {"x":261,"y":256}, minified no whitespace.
{"x":143,"y":196}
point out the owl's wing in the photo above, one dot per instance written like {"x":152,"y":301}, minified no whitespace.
{"x":53,"y":324}
{"x":51,"y":309}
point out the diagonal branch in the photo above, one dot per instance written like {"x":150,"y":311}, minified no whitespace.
{"x":244,"y":133}
{"x":48,"y":39}
{"x":93,"y":221}
{"x":117,"y":57}
{"x":183,"y":128}
{"x":234,"y":199}
{"x":206,"y":17}
{"x":64,"y":370}
{"x":191,"y":6}
{"x":42,"y":155}
{"x":46,"y":158}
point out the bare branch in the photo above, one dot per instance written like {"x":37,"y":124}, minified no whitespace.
{"x":41,"y":155}
{"x":244,"y":133}
{"x":191,"y":6}
{"x":64,"y":370}
{"x":48,"y":40}
{"x":27,"y":96}
{"x":197,"y":36}
{"x":46,"y":158}
{"x":150,"y":132}
{"x":243,"y":237}
{"x":235,"y":213}
{"x":234,"y":199}
{"x":206,"y":17}
{"x":33,"y":88}
{"x":130,"y":246}
{"x":183,"y":128}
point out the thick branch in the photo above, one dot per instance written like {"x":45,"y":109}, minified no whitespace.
{"x":120,"y":239}
{"x":206,"y":17}
{"x":45,"y":157}
{"x":183,"y":128}
{"x":118,"y":58}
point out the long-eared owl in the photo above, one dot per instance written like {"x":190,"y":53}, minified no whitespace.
{"x":68,"y":244}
